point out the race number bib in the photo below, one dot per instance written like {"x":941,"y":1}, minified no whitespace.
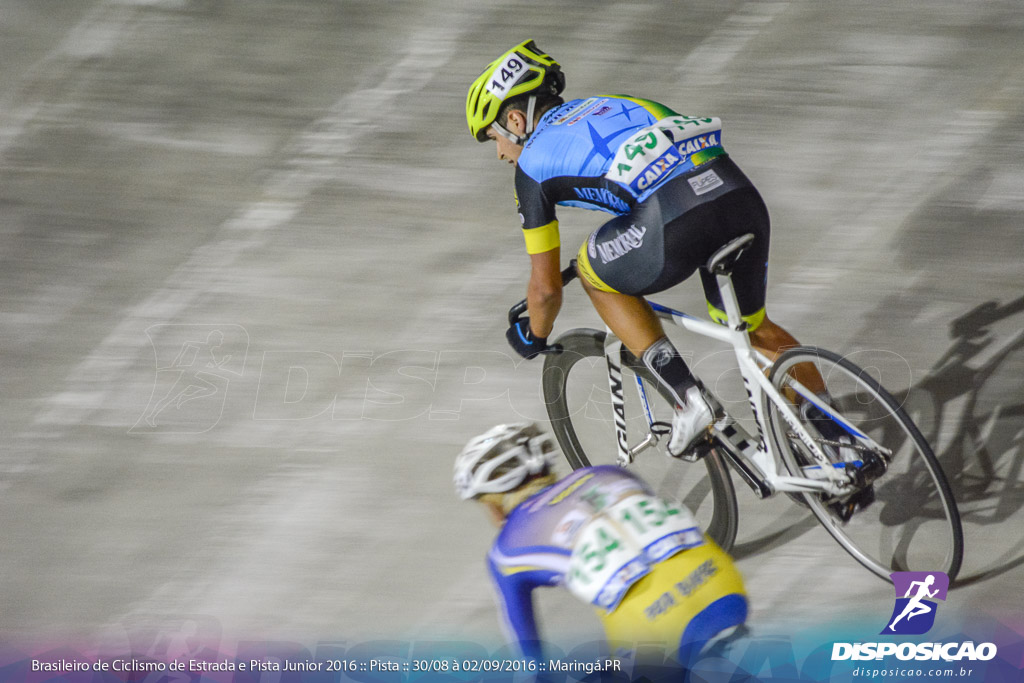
{"x":644,"y":159}
{"x":617,"y":548}
{"x":506,"y":76}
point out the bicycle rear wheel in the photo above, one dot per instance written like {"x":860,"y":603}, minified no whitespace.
{"x":909,"y":520}
{"x":578,"y":400}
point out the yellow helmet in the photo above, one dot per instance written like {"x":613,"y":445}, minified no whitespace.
{"x":523,"y":69}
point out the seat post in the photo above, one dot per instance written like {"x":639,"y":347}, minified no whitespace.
{"x":732,"y":306}
{"x":720,"y":265}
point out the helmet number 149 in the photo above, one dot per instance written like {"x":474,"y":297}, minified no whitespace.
{"x":508,"y":73}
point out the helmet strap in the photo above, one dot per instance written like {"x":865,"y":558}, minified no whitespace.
{"x":531,"y":107}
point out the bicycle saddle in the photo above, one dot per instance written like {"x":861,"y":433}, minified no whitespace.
{"x":723,"y":260}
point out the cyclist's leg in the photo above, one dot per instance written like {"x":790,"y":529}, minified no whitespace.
{"x":736,"y":214}
{"x":617,"y":264}
{"x":733,"y":215}
{"x":629,"y":317}
{"x":771,"y":340}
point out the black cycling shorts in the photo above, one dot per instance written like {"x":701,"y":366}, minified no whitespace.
{"x":676,"y":230}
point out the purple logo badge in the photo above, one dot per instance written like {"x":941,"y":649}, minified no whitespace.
{"x":916,"y":593}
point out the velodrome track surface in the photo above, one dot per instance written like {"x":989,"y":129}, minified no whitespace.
{"x":291,"y":183}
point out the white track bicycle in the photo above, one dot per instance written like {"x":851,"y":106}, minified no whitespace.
{"x":877,"y":488}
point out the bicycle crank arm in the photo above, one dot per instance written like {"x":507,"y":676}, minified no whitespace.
{"x":738,"y":446}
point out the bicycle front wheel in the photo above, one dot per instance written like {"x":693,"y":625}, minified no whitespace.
{"x":906,"y":519}
{"x":580,"y":407}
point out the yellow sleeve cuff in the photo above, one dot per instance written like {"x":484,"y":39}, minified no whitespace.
{"x":544,"y":238}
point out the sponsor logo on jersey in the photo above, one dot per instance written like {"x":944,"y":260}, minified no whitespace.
{"x":697,"y":578}
{"x":656,"y":170}
{"x":696,"y":144}
{"x":620,"y":581}
{"x":579,"y":111}
{"x":705,"y":182}
{"x":591,"y":110}
{"x":622,"y":244}
{"x":601,"y":195}
{"x":569,"y":526}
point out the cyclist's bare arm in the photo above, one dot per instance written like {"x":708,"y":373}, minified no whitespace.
{"x":544,"y":293}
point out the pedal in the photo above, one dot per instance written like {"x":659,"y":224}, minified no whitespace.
{"x":854,"y":504}
{"x":698,"y":452}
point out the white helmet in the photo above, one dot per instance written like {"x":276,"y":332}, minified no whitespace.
{"x":502,"y":459}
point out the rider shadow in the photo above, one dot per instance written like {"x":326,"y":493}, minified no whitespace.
{"x":970,"y":407}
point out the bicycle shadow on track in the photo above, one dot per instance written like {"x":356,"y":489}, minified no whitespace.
{"x":807,"y":522}
{"x":970,"y":407}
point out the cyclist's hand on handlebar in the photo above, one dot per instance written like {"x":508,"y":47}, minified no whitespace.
{"x":522,"y":339}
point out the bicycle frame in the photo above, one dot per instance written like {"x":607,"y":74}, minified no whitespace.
{"x":753,"y":458}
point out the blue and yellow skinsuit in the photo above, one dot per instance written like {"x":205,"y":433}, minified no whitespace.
{"x":677,"y":197}
{"x":675,"y":586}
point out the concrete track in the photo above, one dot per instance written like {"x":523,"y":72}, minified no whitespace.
{"x":275,"y":208}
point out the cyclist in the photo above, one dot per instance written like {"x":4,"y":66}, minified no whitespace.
{"x":677,"y":197}
{"x":642,"y":562}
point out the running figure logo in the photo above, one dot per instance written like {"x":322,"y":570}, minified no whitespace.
{"x":914,"y":612}
{"x":194,"y":365}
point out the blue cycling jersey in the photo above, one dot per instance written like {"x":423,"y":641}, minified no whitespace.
{"x":641,"y":561}
{"x":568,"y":159}
{"x":535,"y":544}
